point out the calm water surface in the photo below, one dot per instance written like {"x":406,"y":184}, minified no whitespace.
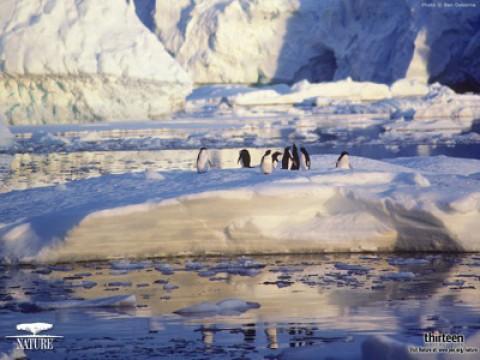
{"x":336,"y":304}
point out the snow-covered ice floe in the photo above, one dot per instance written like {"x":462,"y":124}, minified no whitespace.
{"x":377,"y":206}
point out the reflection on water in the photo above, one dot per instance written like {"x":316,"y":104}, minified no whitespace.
{"x":25,"y":170}
{"x":326,"y":303}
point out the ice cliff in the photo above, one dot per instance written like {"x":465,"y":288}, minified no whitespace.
{"x":251,"y":41}
{"x":85,"y":60}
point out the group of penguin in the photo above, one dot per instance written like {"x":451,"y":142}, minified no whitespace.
{"x":290,"y":160}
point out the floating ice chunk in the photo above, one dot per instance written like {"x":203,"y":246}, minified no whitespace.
{"x":108,"y":301}
{"x":454,"y":283}
{"x":388,"y":348}
{"x":191,"y":265}
{"x":119,"y":283}
{"x":399,"y":276}
{"x":61,"y":187}
{"x":60,"y":267}
{"x":224,"y":307}
{"x":127,"y":265}
{"x":169,"y":287}
{"x":165,"y":269}
{"x":370,"y":257}
{"x":350,"y":267}
{"x":408,"y":261}
{"x":86,"y":284}
{"x":151,"y":174}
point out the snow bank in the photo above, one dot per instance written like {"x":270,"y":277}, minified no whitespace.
{"x":78,"y":61}
{"x":236,"y":41}
{"x":376,"y":207}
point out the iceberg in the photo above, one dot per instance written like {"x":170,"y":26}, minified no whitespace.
{"x":83,"y":61}
{"x":258,"y":42}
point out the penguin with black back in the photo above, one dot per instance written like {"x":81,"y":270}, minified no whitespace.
{"x":305,"y":162}
{"x":266,"y":165}
{"x":343,"y":161}
{"x":203,"y":161}
{"x":275,"y":158}
{"x":296,"y":158}
{"x":286,"y":158}
{"x":244,"y":158}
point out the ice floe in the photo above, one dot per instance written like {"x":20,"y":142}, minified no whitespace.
{"x":379,"y":206}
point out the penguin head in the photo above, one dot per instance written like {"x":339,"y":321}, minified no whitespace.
{"x":275,"y":155}
{"x":203,"y":148}
{"x":268,"y":152}
{"x":343,"y":154}
{"x":303,"y":150}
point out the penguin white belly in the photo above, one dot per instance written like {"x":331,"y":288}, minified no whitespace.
{"x":343,"y":163}
{"x":267,"y":166}
{"x":203,"y":163}
{"x":303,"y":162}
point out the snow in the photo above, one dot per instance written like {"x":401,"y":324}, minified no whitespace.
{"x":291,"y":40}
{"x":66,"y":61}
{"x":377,"y":206}
{"x":224,"y":307}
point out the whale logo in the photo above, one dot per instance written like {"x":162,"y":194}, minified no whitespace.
{"x":34,"y":328}
{"x":34,"y":341}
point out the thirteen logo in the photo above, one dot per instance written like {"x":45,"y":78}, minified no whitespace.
{"x":34,"y":341}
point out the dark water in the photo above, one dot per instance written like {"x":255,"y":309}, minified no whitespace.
{"x":335,"y":306}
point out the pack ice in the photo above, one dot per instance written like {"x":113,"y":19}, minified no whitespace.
{"x":79,"y":61}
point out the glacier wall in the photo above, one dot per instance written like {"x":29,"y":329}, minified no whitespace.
{"x":84,"y":60}
{"x":253,"y":41}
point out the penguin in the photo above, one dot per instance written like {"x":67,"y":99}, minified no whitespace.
{"x":275,"y":159}
{"x":266,"y":164}
{"x":343,"y":161}
{"x":286,"y":158}
{"x":244,"y":159}
{"x":296,"y":158}
{"x":304,"y":159}
{"x":203,"y":161}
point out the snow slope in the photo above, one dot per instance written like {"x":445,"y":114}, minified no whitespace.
{"x":241,"y":41}
{"x":78,"y":61}
{"x":376,"y":207}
